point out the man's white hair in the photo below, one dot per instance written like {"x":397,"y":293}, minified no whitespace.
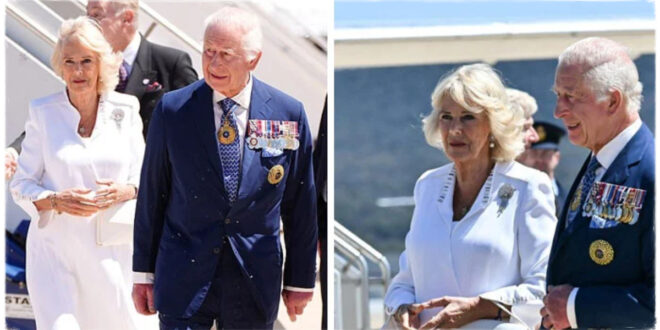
{"x":523,"y":101}
{"x":244,"y":21}
{"x":606,"y":66}
{"x":121,"y":6}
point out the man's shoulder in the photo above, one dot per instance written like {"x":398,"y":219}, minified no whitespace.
{"x":163,"y":53}
{"x":277,"y":98}
{"x":177,"y":98}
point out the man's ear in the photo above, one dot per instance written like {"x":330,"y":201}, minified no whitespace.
{"x":127,"y":17}
{"x":252,"y":64}
{"x":615,"y":101}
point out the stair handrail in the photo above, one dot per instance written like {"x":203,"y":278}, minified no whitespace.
{"x":357,"y":259}
{"x":367,"y":250}
{"x":37,"y":29}
{"x":166,"y":24}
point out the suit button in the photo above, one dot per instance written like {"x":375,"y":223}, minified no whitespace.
{"x":227,"y":221}
{"x":216,"y":250}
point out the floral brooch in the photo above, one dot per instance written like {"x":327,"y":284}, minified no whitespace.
{"x":117,"y":116}
{"x":504,"y":194}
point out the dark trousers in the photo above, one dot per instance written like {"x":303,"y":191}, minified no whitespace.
{"x":229,"y":302}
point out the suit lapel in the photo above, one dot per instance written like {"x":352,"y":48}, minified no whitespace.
{"x":258,"y":110}
{"x":631,"y":154}
{"x":140,"y":71}
{"x":205,"y":123}
{"x":560,"y":235}
{"x":617,"y":174}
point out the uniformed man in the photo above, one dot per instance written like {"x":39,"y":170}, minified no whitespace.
{"x":601,"y":267}
{"x":544,"y":156}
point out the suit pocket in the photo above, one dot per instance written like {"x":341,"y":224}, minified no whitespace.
{"x":600,"y":223}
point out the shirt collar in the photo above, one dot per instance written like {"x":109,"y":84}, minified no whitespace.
{"x":242,"y":98}
{"x":130,"y":53}
{"x":608,"y":153}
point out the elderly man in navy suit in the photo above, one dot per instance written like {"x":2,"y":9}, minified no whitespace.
{"x":226,"y":157}
{"x":601,"y":268}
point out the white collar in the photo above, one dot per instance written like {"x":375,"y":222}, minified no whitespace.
{"x":242,"y":98}
{"x":130,"y":52}
{"x":608,"y":153}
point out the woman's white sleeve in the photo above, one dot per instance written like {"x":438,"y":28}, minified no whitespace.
{"x":26,"y":185}
{"x":136,"y":143}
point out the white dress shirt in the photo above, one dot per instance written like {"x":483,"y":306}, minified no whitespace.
{"x":498,"y":251}
{"x":242,"y":100}
{"x":606,"y":157}
{"x":130,"y":53}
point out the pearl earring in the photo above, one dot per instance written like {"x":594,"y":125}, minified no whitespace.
{"x":492,"y":142}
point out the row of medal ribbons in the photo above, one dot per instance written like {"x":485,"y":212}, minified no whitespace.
{"x":272,"y":134}
{"x":614,"y":202}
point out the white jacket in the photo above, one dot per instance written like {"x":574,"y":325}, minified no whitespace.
{"x":54,"y":157}
{"x":500,"y":257}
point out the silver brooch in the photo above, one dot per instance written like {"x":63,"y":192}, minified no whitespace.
{"x":504,"y":194}
{"x":117,"y":116}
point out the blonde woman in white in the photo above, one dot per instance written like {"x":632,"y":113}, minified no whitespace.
{"x":80,"y":164}
{"x":477,"y":250}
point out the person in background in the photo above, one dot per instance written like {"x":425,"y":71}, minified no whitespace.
{"x":544,"y":156}
{"x":480,"y":235}
{"x":527,"y":104}
{"x":321,"y":182}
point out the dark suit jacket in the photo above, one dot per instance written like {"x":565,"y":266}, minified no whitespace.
{"x":621,"y":293}
{"x":321,"y":180}
{"x":560,"y":198}
{"x":183,"y":212}
{"x":170,"y":67}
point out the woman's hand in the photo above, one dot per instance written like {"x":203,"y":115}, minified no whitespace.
{"x":74,"y":201}
{"x":112,"y":193}
{"x":407,"y":315}
{"x":458,"y":311}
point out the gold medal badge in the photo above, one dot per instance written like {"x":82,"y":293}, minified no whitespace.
{"x":275,"y":174}
{"x":226,"y":134}
{"x":601,"y":252}
{"x":576,"y":200}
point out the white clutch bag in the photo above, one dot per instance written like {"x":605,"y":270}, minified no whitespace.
{"x":115,"y":225}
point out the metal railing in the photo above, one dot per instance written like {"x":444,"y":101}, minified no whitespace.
{"x":368,"y":251}
{"x":358,"y":260}
{"x":164,"y":23}
{"x":34,"y":27}
{"x":357,"y":252}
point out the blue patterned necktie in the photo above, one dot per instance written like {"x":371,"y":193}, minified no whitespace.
{"x":123,"y":77}
{"x":587,"y":181}
{"x":230,"y":155}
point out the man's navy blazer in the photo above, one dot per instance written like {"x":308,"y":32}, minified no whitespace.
{"x":621,"y":293}
{"x":183,"y":212}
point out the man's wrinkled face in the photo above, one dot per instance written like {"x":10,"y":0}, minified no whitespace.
{"x":225,"y":62}
{"x":529,"y":133}
{"x":578,"y":108}
{"x":111,"y":24}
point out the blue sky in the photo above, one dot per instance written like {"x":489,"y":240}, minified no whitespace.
{"x":416,"y":13}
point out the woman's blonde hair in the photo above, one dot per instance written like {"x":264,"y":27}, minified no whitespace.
{"x":477,"y":88}
{"x":88,"y":32}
